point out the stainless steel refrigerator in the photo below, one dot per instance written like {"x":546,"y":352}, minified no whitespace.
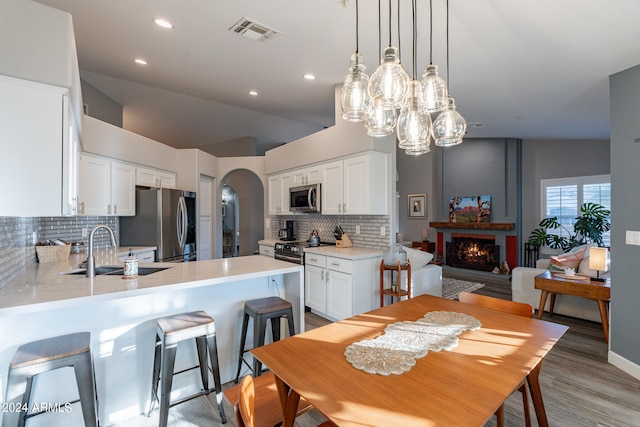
{"x":166,"y":219}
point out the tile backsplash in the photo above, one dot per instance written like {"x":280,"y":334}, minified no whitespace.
{"x":369,"y":236}
{"x":17,"y":251}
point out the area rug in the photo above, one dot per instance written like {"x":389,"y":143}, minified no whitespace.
{"x":452,"y":287}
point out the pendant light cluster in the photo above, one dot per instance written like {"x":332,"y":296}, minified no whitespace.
{"x":390,"y":100}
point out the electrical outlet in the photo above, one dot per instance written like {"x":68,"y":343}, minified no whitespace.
{"x":357,"y":229}
{"x":382,"y":231}
{"x":273,"y":283}
{"x":85,"y":232}
{"x":632,"y":238}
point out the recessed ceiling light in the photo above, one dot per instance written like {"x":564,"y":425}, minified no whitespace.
{"x":309,"y":76}
{"x":253,"y":92}
{"x":163,"y":23}
{"x":140,"y":61}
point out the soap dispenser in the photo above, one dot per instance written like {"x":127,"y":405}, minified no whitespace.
{"x":130,"y":265}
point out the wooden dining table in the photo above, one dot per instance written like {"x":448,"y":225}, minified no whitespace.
{"x":463,"y":386}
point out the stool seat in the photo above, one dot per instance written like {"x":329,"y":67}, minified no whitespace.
{"x":184,"y":326}
{"x":262,"y":310}
{"x":172,"y":330}
{"x":37,"y":357}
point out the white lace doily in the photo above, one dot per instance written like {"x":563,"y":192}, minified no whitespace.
{"x":402,"y":343}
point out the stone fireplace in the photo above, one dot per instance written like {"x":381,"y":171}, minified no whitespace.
{"x":473,"y":251}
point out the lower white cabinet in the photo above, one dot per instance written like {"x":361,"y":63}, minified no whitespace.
{"x":337,"y":288}
{"x":267,"y":250}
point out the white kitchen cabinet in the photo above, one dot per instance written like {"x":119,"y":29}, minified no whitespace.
{"x":148,"y":177}
{"x":308,"y":175}
{"x":107,"y":187}
{"x":35,"y":166}
{"x":338,"y":288}
{"x":267,"y":250}
{"x":278,"y":193}
{"x":356,"y":185}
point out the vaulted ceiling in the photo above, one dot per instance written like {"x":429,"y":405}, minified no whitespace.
{"x":524,"y":69}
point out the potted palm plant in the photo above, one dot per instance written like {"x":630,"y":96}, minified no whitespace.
{"x":589,"y":227}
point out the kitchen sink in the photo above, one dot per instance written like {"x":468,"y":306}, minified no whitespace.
{"x":119,"y":271}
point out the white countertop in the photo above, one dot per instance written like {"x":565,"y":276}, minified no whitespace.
{"x":347,"y":253}
{"x":43,"y":286}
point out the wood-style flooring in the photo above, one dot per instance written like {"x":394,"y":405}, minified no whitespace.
{"x":579,"y":387}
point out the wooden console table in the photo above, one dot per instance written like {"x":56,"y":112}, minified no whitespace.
{"x":600,"y":292}
{"x":399,"y":292}
{"x":425,"y":246}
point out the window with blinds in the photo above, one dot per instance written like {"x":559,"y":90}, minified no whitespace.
{"x":563,"y":197}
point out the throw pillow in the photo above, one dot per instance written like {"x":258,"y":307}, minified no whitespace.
{"x":570,"y":259}
{"x":418,"y":258}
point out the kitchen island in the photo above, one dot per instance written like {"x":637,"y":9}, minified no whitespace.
{"x":121,"y":316}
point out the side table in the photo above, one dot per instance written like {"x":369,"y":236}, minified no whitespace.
{"x":600,"y":292}
{"x":398,"y":292}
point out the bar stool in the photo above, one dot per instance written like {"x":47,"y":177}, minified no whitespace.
{"x":172,"y":330}
{"x":37,"y":357}
{"x":261,"y":310}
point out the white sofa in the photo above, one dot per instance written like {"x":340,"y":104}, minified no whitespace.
{"x":523,"y":290}
{"x":425,"y":278}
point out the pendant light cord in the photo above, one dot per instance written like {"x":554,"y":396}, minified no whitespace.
{"x":430,"y":32}
{"x":448,"y":85}
{"x":357,"y":28}
{"x":379,"y":30}
{"x":389,"y":22}
{"x":414,"y":70}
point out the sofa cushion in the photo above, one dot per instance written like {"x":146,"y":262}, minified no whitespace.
{"x":418,"y":258}
{"x":570,"y":259}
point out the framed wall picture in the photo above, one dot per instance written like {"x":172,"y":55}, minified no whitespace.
{"x":417,"y":206}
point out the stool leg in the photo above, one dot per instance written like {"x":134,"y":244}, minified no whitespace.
{"x":215,"y":367}
{"x":201,"y":344}
{"x":85,"y":380}
{"x":243,"y":340}
{"x":292,"y":327}
{"x":167,"y":360}
{"x":275,"y":328}
{"x":154,"y":377}
{"x":259,"y":329}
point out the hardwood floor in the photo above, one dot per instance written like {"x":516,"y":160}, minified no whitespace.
{"x":579,"y":387}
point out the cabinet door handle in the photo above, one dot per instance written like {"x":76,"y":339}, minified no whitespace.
{"x":115,"y":209}
{"x":335,"y":263}
{"x":339,"y":208}
{"x":81,"y":207}
{"x":344,"y":208}
{"x":313,"y":259}
{"x":109,"y":209}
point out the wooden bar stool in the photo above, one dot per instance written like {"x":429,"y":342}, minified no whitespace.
{"x":261,"y":310}
{"x":37,"y":357}
{"x":171,"y":330}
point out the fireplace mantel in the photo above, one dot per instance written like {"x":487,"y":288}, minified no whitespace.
{"x":475,"y":225}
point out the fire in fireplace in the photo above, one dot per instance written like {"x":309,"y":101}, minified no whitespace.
{"x":474,"y":252}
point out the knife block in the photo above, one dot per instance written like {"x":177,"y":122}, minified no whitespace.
{"x":345,"y":242}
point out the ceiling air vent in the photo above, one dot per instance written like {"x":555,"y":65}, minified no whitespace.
{"x":253,"y":30}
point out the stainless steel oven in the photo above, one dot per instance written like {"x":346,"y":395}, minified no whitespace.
{"x":293,"y":251}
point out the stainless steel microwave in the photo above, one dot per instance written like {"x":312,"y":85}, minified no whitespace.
{"x":305,"y":198}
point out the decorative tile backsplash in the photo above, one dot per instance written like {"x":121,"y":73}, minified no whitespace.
{"x":17,"y":251}
{"x":369,"y":236}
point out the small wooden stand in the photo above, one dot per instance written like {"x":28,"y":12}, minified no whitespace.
{"x":344,"y":242}
{"x":398,"y":293}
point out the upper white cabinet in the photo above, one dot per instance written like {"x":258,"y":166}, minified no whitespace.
{"x":278,"y":193}
{"x":356,"y":185}
{"x":148,"y":177}
{"x":107,"y":187}
{"x":36,"y":133}
{"x":308,"y":175}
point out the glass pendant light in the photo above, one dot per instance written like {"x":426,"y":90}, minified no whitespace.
{"x":380,"y":117}
{"x":449,"y":127}
{"x":434,"y":89}
{"x":390,"y":79}
{"x":354,"y":94}
{"x":414,"y":121}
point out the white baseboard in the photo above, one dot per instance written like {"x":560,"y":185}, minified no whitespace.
{"x":626,"y":365}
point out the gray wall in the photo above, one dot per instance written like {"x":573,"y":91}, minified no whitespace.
{"x":250,"y":207}
{"x":625,"y":175}
{"x":547,"y":159}
{"x":99,"y":106}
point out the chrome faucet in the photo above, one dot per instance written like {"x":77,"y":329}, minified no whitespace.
{"x":91,"y":261}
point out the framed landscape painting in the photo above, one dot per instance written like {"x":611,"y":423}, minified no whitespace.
{"x":417,"y":206}
{"x":470,"y":209}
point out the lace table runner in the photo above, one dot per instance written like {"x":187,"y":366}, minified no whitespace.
{"x":402,"y":343}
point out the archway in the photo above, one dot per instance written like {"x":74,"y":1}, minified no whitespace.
{"x":248,"y":211}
